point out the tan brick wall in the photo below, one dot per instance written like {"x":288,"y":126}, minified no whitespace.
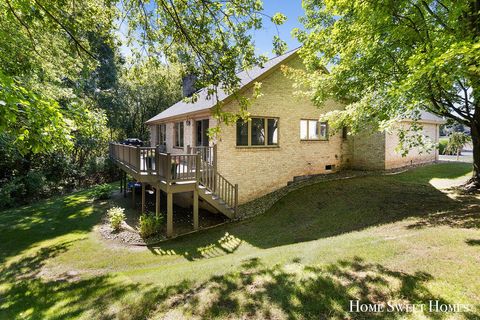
{"x":261,"y":170}
{"x":368,"y":150}
{"x":394,"y":159}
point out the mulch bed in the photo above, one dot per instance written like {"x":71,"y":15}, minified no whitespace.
{"x":128,"y":235}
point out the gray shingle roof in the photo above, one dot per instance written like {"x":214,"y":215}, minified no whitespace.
{"x":204,"y":102}
{"x":430,"y":117}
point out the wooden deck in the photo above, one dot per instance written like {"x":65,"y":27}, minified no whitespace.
{"x":195,"y":172}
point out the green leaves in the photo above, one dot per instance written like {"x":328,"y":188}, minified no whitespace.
{"x":388,"y":61}
{"x":45,"y":56}
{"x":211,"y":39}
{"x":36,"y":123}
{"x":279,"y":46}
{"x":279,"y":18}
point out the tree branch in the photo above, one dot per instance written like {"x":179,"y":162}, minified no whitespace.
{"x":78,"y":43}
{"x":24,"y":25}
{"x":437,"y":18}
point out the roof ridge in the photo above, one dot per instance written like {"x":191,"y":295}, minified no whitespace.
{"x":280,"y":55}
{"x":205,"y":102}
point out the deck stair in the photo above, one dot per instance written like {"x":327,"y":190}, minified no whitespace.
{"x":212,"y":186}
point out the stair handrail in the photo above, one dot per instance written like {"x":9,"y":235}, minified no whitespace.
{"x":218,"y":185}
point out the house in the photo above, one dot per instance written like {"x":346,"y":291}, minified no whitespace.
{"x":283,"y":139}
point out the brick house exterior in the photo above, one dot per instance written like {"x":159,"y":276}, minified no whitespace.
{"x":284,"y":118}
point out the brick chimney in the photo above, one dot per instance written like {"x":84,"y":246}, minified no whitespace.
{"x":188,"y":85}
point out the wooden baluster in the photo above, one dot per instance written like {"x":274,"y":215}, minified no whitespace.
{"x":197,"y":167}
{"x":138,"y":158}
{"x":229,"y":195}
{"x":224,"y":189}
{"x":169,"y":166}
{"x":236,"y":200}
{"x":214,"y":160}
{"x":157,"y":161}
{"x":221,"y":187}
{"x":179,"y":169}
{"x":181,"y":162}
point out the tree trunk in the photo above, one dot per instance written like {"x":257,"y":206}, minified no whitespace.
{"x":474,"y":182}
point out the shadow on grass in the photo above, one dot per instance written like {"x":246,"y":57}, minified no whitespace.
{"x":331,"y":208}
{"x":473,"y":242}
{"x":254,"y":290}
{"x":23,"y":227}
{"x":297,"y":291}
{"x":27,"y":292}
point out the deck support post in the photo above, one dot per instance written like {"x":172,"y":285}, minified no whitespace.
{"x":124,"y":178}
{"x":157,"y":200}
{"x":121,"y":181}
{"x":195,"y":209}
{"x":133,"y":194}
{"x":169,"y":214}
{"x":143,"y":198}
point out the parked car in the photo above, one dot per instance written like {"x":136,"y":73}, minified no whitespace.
{"x":133,"y":142}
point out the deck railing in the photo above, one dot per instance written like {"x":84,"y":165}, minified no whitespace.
{"x":198,"y":165}
{"x":149,"y":161}
{"x":207,"y":153}
{"x":218,"y":185}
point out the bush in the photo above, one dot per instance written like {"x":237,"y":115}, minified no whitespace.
{"x":442,"y":145}
{"x":456,"y":142}
{"x":102,"y":192}
{"x":36,"y":184}
{"x":116,"y":216}
{"x":10,"y":191}
{"x":150,"y":225}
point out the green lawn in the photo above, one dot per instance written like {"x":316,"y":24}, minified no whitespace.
{"x":401,"y":238}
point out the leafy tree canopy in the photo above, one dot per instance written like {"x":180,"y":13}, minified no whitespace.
{"x":53,"y":53}
{"x":145,"y":89}
{"x":44,"y":52}
{"x":389,"y":59}
{"x":210,"y":39}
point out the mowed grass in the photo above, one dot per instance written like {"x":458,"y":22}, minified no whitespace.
{"x":396,"y":238}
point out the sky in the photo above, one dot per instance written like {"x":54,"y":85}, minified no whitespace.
{"x":263,"y":38}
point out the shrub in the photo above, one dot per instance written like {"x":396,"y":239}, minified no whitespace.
{"x":116,"y":216}
{"x":442,"y":145}
{"x":9,"y":192}
{"x":36,"y":184}
{"x":456,"y":141}
{"x":149,"y":225}
{"x":102,"y":192}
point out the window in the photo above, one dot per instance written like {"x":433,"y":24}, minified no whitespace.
{"x":313,"y":130}
{"x":272,"y":131}
{"x":178,"y":134}
{"x":242,"y":133}
{"x":345,"y":132}
{"x":161,"y":134}
{"x":257,"y":132}
{"x":202,"y":132}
